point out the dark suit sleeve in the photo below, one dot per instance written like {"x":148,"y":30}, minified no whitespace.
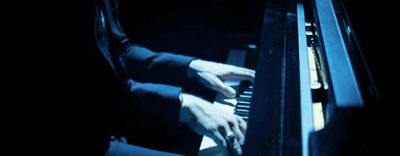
{"x":146,"y":65}
{"x":155,"y":105}
{"x":149,"y":104}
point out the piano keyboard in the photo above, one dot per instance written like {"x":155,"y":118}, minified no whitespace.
{"x":244,"y":93}
{"x":240,"y":105}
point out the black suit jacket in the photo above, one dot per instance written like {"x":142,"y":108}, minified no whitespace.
{"x":74,"y":89}
{"x":144,"y":104}
{"x":73,"y":92}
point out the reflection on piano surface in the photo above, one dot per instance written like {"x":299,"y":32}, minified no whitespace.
{"x":311,"y":83}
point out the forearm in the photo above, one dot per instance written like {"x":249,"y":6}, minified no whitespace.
{"x":155,"y":104}
{"x":146,"y":65}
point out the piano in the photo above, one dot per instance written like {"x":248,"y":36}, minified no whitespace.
{"x":312,"y":84}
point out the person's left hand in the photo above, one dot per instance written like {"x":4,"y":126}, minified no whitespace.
{"x":212,"y":75}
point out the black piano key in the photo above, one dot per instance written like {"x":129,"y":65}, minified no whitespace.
{"x":242,"y":113}
{"x":244,"y":86}
{"x":245,"y":83}
{"x":244,"y":99}
{"x":246,"y":90}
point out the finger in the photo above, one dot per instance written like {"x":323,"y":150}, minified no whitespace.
{"x":237,"y":149}
{"x":242,"y":124}
{"x":224,"y":128}
{"x":218,"y":138}
{"x":239,"y":74}
{"x":234,"y":147}
{"x":238,"y":133}
{"x":247,"y":70}
{"x":221,"y":87}
{"x":221,"y":133}
{"x":243,"y":127}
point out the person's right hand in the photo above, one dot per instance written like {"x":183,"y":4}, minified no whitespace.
{"x":206,"y":119}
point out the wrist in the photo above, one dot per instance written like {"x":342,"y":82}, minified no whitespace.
{"x":185,"y":115}
{"x":193,"y":68}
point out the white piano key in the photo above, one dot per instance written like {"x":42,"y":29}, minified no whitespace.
{"x":207,"y":142}
{"x":231,"y":101}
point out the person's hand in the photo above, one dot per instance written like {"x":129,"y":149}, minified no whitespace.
{"x":213,"y":75}
{"x":206,"y":119}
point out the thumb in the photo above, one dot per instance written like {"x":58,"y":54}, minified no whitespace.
{"x":213,"y":82}
{"x":223,"y":88}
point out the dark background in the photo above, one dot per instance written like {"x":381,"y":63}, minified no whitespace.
{"x":375,"y":25}
{"x":201,"y":28}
